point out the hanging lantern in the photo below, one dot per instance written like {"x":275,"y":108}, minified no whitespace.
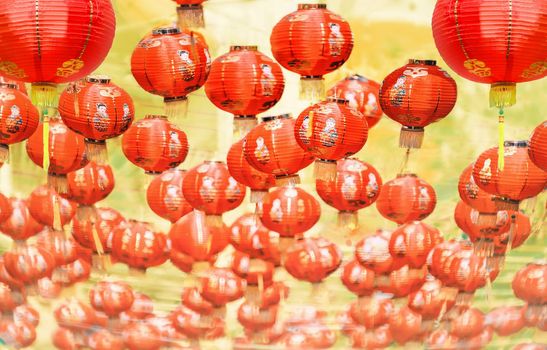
{"x":244,"y":82}
{"x":164,"y":195}
{"x":373,"y":253}
{"x":271,"y":148}
{"x":10,"y":299}
{"x":538,"y":146}
{"x":94,"y":232}
{"x":358,"y":279}
{"x":97,"y":109}
{"x":75,"y":315}
{"x":29,"y":263}
{"x":377,"y":338}
{"x":254,"y":318}
{"x":468,"y":324}
{"x":17,"y":334}
{"x":66,"y":152}
{"x":416,"y":95}
{"x":26,"y":313}
{"x":50,"y":209}
{"x":255,"y":272}
{"x":20,"y":225}
{"x":312,"y":259}
{"x":62,"y":249}
{"x":18,"y":118}
{"x":104,"y":340}
{"x":518,"y":180}
{"x":372,"y":312}
{"x":171,"y":63}
{"x":221,"y":286}
{"x":191,"y":297}
{"x":407,"y":326}
{"x":75,"y":272}
{"x":65,"y":339}
{"x":362,"y":95}
{"x":248,"y":235}
{"x":413,"y":241}
{"x":356,"y":186}
{"x":111,"y":297}
{"x":477,"y":198}
{"x":155,"y":144}
{"x":330,"y":131}
{"x":430,"y":301}
{"x":190,"y":13}
{"x":406,"y":198}
{"x":402,"y":282}
{"x":529,"y":285}
{"x":142,"y":307}
{"x":506,"y":320}
{"x":312,"y":42}
{"x":141,"y":336}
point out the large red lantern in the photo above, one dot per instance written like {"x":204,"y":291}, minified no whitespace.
{"x":248,"y":235}
{"x":356,"y":186}
{"x":538,"y":146}
{"x":271,"y":148}
{"x":312,"y":42}
{"x":49,"y":208}
{"x":20,"y":224}
{"x":529,"y":285}
{"x":406,"y":198}
{"x":190,"y":13}
{"x":416,"y":95}
{"x":477,"y":198}
{"x":97,"y":109}
{"x":413,"y":241}
{"x":90,"y":184}
{"x":164,"y":195}
{"x":312,"y":259}
{"x":407,"y":326}
{"x":155,"y":144}
{"x":244,"y":82}
{"x":111,"y":297}
{"x":171,"y":63}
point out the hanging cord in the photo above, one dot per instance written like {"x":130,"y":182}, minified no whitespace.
{"x":501,"y":139}
{"x":404,"y":164}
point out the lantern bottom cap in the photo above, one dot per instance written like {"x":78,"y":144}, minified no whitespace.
{"x":503,"y":95}
{"x":284,"y":180}
{"x":411,"y":137}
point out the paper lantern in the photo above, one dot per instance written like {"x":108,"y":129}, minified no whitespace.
{"x":29,"y":263}
{"x":155,"y":144}
{"x":475,"y":197}
{"x":248,"y":235}
{"x":529,"y":285}
{"x":221,"y":286}
{"x":17,"y":334}
{"x":244,"y":82}
{"x":164,"y":195}
{"x":401,"y":282}
{"x":406,"y":326}
{"x":20,"y":225}
{"x":538,"y":146}
{"x":467,"y":324}
{"x":255,"y":272}
{"x":430,"y":301}
{"x":26,"y":313}
{"x":18,"y":118}
{"x":406,"y":198}
{"x":518,"y":180}
{"x":330,"y":131}
{"x":111,"y":297}
{"x":62,"y":249}
{"x":379,"y":337}
{"x":441,"y":256}
{"x":271,"y":148}
{"x":104,"y":340}
{"x":371,"y":312}
{"x":312,"y":259}
{"x":50,"y":209}
{"x":10,"y":299}
{"x":97,"y":109}
{"x":373,"y":253}
{"x":469,"y":272}
{"x":358,"y":279}
{"x":19,"y":85}
{"x":94,"y":234}
{"x":506,"y":320}
{"x":191,"y":297}
{"x":312,"y":42}
{"x":362,"y":95}
{"x":141,"y":336}
{"x":356,"y":186}
{"x":171,"y":63}
{"x":252,"y":317}
{"x":190,"y":13}
{"x":416,"y":95}
{"x":75,"y":272}
{"x":413,"y":241}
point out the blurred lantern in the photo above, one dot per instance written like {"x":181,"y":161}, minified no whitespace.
{"x":65,"y":152}
{"x":256,"y":272}
{"x":416,"y":95}
{"x":62,"y":249}
{"x":401,"y":282}
{"x":356,"y":186}
{"x":142,"y":307}
{"x":111,"y":297}
{"x":358,"y":279}
{"x":76,"y":271}
{"x":407,"y":326}
{"x":518,"y":180}
{"x":155,"y":144}
{"x":440,"y":257}
{"x":10,"y":298}
{"x":208,"y":187}
{"x":312,"y":42}
{"x":250,"y":236}
{"x":20,"y":224}
{"x":519,"y":232}
{"x":245,"y":174}
{"x":8,"y":279}
{"x":192,"y":298}
{"x":290,"y":211}
{"x":221,"y":286}
{"x":271,"y":147}
{"x":75,"y":315}
{"x":529,"y":285}
{"x":506,"y":320}
{"x":441,"y":339}
{"x":17,"y":334}
{"x":103,"y":339}
{"x":164,"y":195}
{"x":50,"y":209}
{"x":190,"y":13}
{"x":529,"y":346}
{"x":18,"y":118}
{"x":413,"y":241}
{"x":268,"y":296}
{"x":184,"y":262}
{"x":491,"y":44}
{"x":49,"y":289}
{"x":538,"y":146}
{"x":195,"y":325}
{"x":64,"y":339}
{"x":93,"y":233}
{"x":372,"y":312}
{"x":468,"y":323}
{"x":377,"y":338}
{"x":5,"y":208}
{"x":171,"y":63}
{"x":406,"y":198}
{"x":255,"y":318}
{"x":29,"y":263}
{"x":477,"y":198}
{"x":27,"y":313}
{"x":244,"y":82}
{"x":97,"y":109}
{"x":430,"y":300}
{"x":142,"y":336}
{"x":330,"y":130}
{"x":312,"y":259}
{"x":373,"y":253}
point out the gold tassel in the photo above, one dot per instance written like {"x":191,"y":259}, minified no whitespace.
{"x":44,"y":95}
{"x":45,"y":141}
{"x":503,"y":95}
{"x":312,"y":89}
{"x":501,"y":140}
{"x":57,"y":214}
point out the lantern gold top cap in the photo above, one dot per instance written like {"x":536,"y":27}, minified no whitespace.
{"x":166,"y":31}
{"x":406,"y":174}
{"x":155,"y":116}
{"x":424,"y":62}
{"x":243,"y":48}
{"x":274,"y":117}
{"x":311,"y":6}
{"x":101,"y":79}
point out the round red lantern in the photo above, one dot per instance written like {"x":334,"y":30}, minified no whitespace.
{"x":406,"y":198}
{"x":155,"y":144}
{"x":77,"y":271}
{"x":290,"y":211}
{"x":171,"y":63}
{"x":221,"y":286}
{"x":250,"y":236}
{"x":406,"y":326}
{"x":312,"y":42}
{"x":371,"y":312}
{"x":20,"y":225}
{"x":142,"y":307}
{"x":26,"y":313}
{"x":254,"y":318}
{"x":93,"y":233}
{"x":413,"y":241}
{"x":400,"y":283}
{"x":256,"y":272}
{"x":104,"y":340}
{"x":416,"y":95}
{"x":430,"y":301}
{"x":190,"y":13}
{"x":10,"y":298}
{"x":529,"y":285}
{"x":506,"y":320}
{"x":8,"y":279}
{"x":538,"y":146}
{"x":377,"y":338}
{"x":62,"y":249}
{"x":373,"y":253}
{"x":312,"y":259}
{"x":19,"y":85}
{"x":29,"y":263}
{"x":518,"y":180}
{"x":358,"y":279}
{"x":49,"y":289}
{"x":440,"y":257}
{"x":142,"y":336}
{"x":75,"y":315}
{"x":64,"y":339}
{"x":164,"y":195}
{"x":355,"y":186}
{"x":330,"y":130}
{"x":271,"y":147}
{"x":469,"y":272}
{"x":18,"y":118}
{"x":244,"y":82}
{"x":111,"y":297}
{"x":468,"y":323}
{"x":192,"y":298}
{"x":477,"y":198}
{"x":50,"y":209}
{"x":17,"y":334}
{"x":208,"y":187}
{"x":441,"y":339}
{"x":97,"y":109}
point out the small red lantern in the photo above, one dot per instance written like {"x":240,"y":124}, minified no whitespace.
{"x":358,"y":279}
{"x":538,"y":146}
{"x":104,"y":340}
{"x":406,"y":198}
{"x":155,"y":144}
{"x":64,"y":339}
{"x":50,"y":209}
{"x":29,"y":263}
{"x":93,"y":233}
{"x":312,"y":42}
{"x":477,"y":198}
{"x":441,"y":255}
{"x":430,"y":301}
{"x":256,"y":272}
{"x":75,"y":315}
{"x":192,"y":298}
{"x":312,"y":259}
{"x":20,"y":225}
{"x":402,"y":282}
{"x":49,"y":289}
{"x":62,"y":249}
{"x":10,"y":298}
{"x":373,"y":253}
{"x":111,"y":297}
{"x":468,"y":323}
{"x":5,"y":208}
{"x":221,"y":286}
{"x":529,"y":285}
{"x":208,"y":187}
{"x":506,"y":320}
{"x":413,"y":241}
{"x":190,"y":13}
{"x":250,"y":236}
{"x":371,"y":312}
{"x":290,"y":211}
{"x":356,"y":186}
{"x":255,"y":318}
{"x":26,"y":313}
{"x":416,"y":95}
{"x":142,"y":336}
{"x":271,"y":148}
{"x":244,"y":82}
{"x":469,"y":272}
{"x":77,"y":271}
{"x":406,"y":326}
{"x":17,"y":334}
{"x":142,"y":307}
{"x":164,"y":195}
{"x":441,"y":339}
{"x":518,"y":180}
{"x":377,"y":338}
{"x":171,"y":63}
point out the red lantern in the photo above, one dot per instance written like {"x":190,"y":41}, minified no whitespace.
{"x":271,"y":148}
{"x":356,"y":186}
{"x":8,"y":279}
{"x":209,"y":187}
{"x":104,"y":340}
{"x":518,"y":180}
{"x":477,"y":198}
{"x":142,"y":307}
{"x":66,"y":152}
{"x":441,"y":339}
{"x":244,"y":82}
{"x":10,"y":298}
{"x":164,"y":195}
{"x":19,"y":85}
{"x":402,"y":282}
{"x":221,"y":286}
{"x":250,"y":236}
{"x":529,"y":285}
{"x":538,"y":146}
{"x":64,"y":339}
{"x":111,"y":297}
{"x":190,"y":13}
{"x":245,"y":174}
{"x":20,"y":225}
{"x":290,"y":211}
{"x":75,"y":315}
{"x":330,"y":130}
{"x":50,"y":209}
{"x":62,"y":249}
{"x":171,"y":63}
{"x":29,"y":263}
{"x":440,"y":257}
{"x":255,"y":271}
{"x":142,"y":336}
{"x":18,"y":118}
{"x":373,"y":253}
{"x":155,"y":144}
{"x":26,"y":313}
{"x":49,"y":289}
{"x":255,"y":318}
{"x":77,"y":271}
{"x":430,"y":301}
{"x":406,"y":198}
{"x":17,"y":334}
{"x":194,"y":325}
{"x":377,"y":338}
{"x":406,"y":326}
{"x":312,"y":259}
{"x":416,"y":95}
{"x":312,"y":42}
{"x":469,"y":272}
{"x":358,"y":279}
{"x":97,"y":109}
{"x":192,"y":298}
{"x":506,"y":320}
{"x":93,"y":233}
{"x":371,"y":312}
{"x":413,"y":241}
{"x":468,"y":324}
